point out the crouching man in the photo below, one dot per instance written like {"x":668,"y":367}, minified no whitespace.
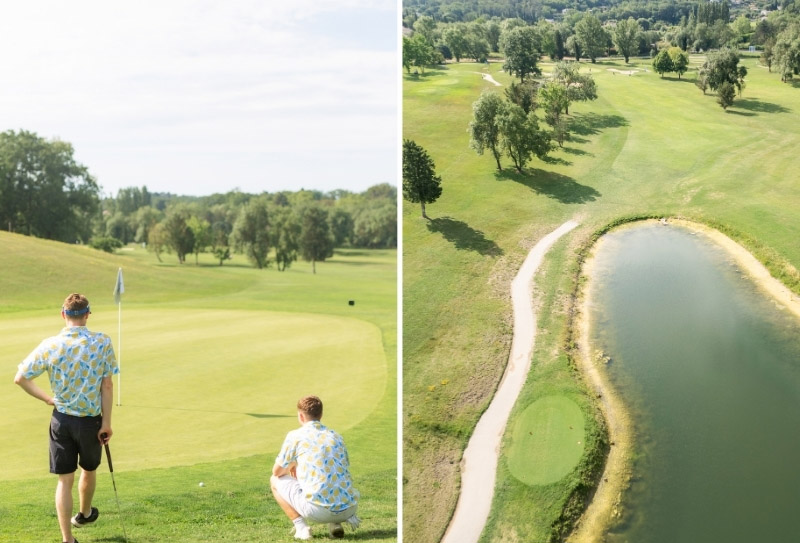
{"x":311,"y":476}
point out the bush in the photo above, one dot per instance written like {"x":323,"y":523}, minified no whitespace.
{"x":105,"y":243}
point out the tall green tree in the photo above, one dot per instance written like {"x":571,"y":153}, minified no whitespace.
{"x":580,"y":87}
{"x":625,"y":37}
{"x":679,"y":59}
{"x":662,"y":63}
{"x":177,"y":233}
{"x":420,"y":182}
{"x":201,"y":231}
{"x":316,"y":239}
{"x":521,"y":48}
{"x":521,"y":136}
{"x":456,"y":38}
{"x":285,"y":236}
{"x":787,"y":52}
{"x":251,"y":232}
{"x":44,"y":191}
{"x":485,"y":125}
{"x":592,"y":37}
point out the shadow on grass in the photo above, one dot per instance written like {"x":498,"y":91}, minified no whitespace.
{"x":373,"y":534}
{"x":576,"y":151}
{"x":757,"y":106}
{"x":740,"y":113}
{"x":115,"y":538}
{"x":587,"y":124}
{"x":554,"y":185}
{"x":556,"y":160}
{"x":464,"y":237}
{"x":422,"y":76}
{"x":678,"y":80}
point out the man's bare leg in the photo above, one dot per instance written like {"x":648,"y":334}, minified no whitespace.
{"x":288,"y":509}
{"x":64,"y":504}
{"x":86,"y":486}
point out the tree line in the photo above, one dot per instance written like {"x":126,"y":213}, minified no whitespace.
{"x":45,"y":192}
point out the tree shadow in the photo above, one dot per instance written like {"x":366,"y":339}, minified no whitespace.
{"x":422,"y":76}
{"x":740,"y":113}
{"x":678,"y":79}
{"x":464,"y":237}
{"x":587,"y":124}
{"x":757,"y":106}
{"x":556,"y":160}
{"x":374,"y":534}
{"x":554,"y":185}
{"x":576,"y":151}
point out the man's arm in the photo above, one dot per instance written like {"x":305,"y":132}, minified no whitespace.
{"x":280,"y":471}
{"x":32,"y":388}
{"x":106,"y":402}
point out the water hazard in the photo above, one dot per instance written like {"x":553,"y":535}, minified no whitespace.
{"x":709,"y":368}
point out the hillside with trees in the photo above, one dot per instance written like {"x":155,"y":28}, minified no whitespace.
{"x":45,"y":193}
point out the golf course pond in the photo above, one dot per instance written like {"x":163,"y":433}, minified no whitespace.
{"x":707,"y":366}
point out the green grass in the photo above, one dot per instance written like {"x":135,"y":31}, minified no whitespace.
{"x":213,"y":361}
{"x":547,"y":441}
{"x":647,"y":146}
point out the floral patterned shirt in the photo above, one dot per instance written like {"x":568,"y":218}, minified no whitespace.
{"x":323,"y":468}
{"x":76,"y":360}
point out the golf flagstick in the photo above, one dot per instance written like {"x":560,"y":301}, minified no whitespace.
{"x":113,"y":482}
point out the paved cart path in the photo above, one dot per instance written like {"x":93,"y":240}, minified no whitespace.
{"x":479,"y":464}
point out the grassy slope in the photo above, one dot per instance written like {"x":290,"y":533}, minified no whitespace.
{"x":646,"y":146}
{"x":234,"y":505}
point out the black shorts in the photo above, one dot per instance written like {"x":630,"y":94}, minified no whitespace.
{"x":72,"y":438}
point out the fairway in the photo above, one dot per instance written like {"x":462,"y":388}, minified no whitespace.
{"x":648,"y":146}
{"x":547,"y":441}
{"x":203,"y":385}
{"x":214,"y":359}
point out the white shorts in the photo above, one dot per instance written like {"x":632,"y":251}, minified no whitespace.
{"x":290,"y":490}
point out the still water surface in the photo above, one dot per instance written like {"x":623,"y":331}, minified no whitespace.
{"x":709,"y":367}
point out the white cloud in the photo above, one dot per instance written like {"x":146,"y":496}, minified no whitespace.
{"x":145,"y":89}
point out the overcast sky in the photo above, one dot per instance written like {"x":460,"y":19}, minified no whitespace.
{"x":196,"y":97}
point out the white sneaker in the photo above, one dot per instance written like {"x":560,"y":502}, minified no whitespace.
{"x":303,"y":532}
{"x":354,"y":522}
{"x":336,"y":530}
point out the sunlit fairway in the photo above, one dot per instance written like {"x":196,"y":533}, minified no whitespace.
{"x":647,"y":146}
{"x":213,"y":361}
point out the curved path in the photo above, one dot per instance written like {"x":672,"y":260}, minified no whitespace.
{"x":479,"y":464}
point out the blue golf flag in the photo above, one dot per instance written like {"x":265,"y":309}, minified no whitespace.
{"x":119,"y":288}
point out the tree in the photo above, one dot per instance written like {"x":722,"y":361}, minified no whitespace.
{"x":285,"y":236}
{"x":768,"y":54}
{"x":523,"y":94}
{"x":521,"y":48}
{"x":579,"y":87}
{"x":426,"y":27}
{"x":157,"y":240}
{"x":559,"y":48}
{"x":521,"y":137}
{"x":625,"y":37}
{"x":455,"y":37}
{"x":725,"y":94}
{"x":679,"y":59}
{"x":662,"y":63}
{"x":591,"y":36}
{"x":574,"y":47}
{"x":420,"y":182}
{"x":485,"y":128}
{"x":316,"y":239}
{"x":341,"y":226}
{"x":554,"y":100}
{"x":417,"y":52}
{"x":201,"y":231}
{"x":741,"y":28}
{"x":493,"y":31}
{"x":251,"y":232}
{"x":787,"y":52}
{"x":177,"y":233}
{"x":376,"y":225}
{"x":44,"y":192}
{"x":723,"y":66}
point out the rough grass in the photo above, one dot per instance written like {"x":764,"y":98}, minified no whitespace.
{"x":213,"y":361}
{"x":647,"y":146}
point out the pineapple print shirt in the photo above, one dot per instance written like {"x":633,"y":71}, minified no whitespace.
{"x":76,"y":361}
{"x":323,"y":468}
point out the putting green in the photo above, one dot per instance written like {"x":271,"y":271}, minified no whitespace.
{"x":201,"y":385}
{"x":548,"y":441}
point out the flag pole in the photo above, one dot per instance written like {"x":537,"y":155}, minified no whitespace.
{"x":119,"y":288}
{"x":119,"y":351}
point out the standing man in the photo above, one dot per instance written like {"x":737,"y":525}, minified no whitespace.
{"x":311,"y":476}
{"x":80,"y":365}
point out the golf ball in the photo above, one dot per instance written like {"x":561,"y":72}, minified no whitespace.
{"x":202,"y":484}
